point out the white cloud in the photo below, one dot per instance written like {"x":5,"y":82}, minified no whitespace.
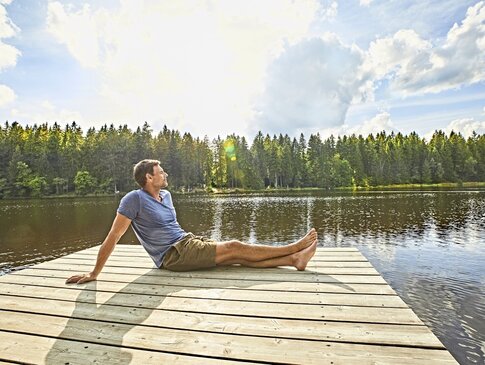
{"x":216,"y":68}
{"x":311,"y":85}
{"x":78,"y":30}
{"x":46,"y":104}
{"x":44,"y":111}
{"x":195,"y":64}
{"x":381,"y":122}
{"x":8,"y":54}
{"x":7,"y":95}
{"x":329,"y":12}
{"x":395,"y":54}
{"x":466,"y":127}
{"x":365,"y":2}
{"x":416,"y":66}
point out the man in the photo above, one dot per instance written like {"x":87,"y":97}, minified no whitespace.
{"x":151,"y":213}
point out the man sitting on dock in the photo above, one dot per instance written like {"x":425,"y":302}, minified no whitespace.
{"x":152,"y":215}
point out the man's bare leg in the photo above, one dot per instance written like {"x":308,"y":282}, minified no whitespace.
{"x":299,"y":259}
{"x":231,"y":251}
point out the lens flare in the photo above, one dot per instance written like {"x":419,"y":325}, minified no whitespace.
{"x":229,"y":146}
{"x":230,"y":150}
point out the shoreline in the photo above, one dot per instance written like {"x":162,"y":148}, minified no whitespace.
{"x":229,"y":191}
{"x":349,"y":188}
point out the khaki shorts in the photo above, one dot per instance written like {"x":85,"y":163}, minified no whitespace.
{"x":190,"y":253}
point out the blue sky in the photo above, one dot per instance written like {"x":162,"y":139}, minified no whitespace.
{"x":220,"y":67}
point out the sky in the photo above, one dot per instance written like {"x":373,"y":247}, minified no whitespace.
{"x":221,"y":67}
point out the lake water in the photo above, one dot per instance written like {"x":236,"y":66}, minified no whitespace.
{"x":428,"y":245}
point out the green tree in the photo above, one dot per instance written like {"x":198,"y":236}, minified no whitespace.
{"x":341,"y":172}
{"x":220,"y":163}
{"x":4,"y":191}
{"x":27,"y":183}
{"x":37,"y":185}
{"x":260,"y":159}
{"x":23,"y":175}
{"x":31,"y":157}
{"x":299,"y":150}
{"x":84,"y":183}
{"x":314,"y":153}
{"x":60,"y":184}
{"x":426,"y":174}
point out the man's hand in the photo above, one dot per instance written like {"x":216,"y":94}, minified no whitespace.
{"x":81,"y":279}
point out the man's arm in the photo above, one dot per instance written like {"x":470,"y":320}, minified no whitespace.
{"x":119,"y":227}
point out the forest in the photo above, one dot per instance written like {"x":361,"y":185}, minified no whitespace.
{"x":42,"y":160}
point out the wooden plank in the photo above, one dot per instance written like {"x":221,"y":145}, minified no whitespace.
{"x":134,"y":247}
{"x":143,"y":261}
{"x":314,"y":267}
{"x":135,"y":288}
{"x":35,"y":349}
{"x":329,"y":254}
{"x":118,"y":311}
{"x":122,"y":256}
{"x":138,"y":250}
{"x":280,"y":273}
{"x":152,"y":277}
{"x":278,"y":310}
{"x":143,"y":257}
{"x":345,"y":255}
{"x":221,"y":293}
{"x":234,"y":272}
{"x":144,"y":254}
{"x":338,"y":311}
{"x":214,"y":344}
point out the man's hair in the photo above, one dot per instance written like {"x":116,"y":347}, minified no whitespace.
{"x":142,"y":168}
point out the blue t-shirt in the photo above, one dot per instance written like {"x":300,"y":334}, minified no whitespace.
{"x":154,"y":223}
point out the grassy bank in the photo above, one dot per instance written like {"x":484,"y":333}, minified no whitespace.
{"x":419,"y":186}
{"x":353,"y":188}
{"x":227,"y":191}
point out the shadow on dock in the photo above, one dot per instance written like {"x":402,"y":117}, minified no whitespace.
{"x":98,"y":321}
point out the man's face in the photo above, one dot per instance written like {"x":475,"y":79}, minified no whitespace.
{"x":159,"y":178}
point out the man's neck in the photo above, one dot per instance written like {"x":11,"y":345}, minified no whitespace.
{"x":155,"y":193}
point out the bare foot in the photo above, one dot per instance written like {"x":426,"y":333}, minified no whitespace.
{"x":306,"y":240}
{"x":302,"y":257}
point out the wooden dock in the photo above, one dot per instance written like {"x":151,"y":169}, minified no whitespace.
{"x":338,"y":311}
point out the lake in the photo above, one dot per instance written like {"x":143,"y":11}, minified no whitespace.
{"x":429,"y":245}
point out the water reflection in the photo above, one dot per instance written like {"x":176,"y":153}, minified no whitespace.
{"x":428,"y":245}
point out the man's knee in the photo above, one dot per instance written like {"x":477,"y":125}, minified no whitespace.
{"x":227,"y":250}
{"x":233,"y":246}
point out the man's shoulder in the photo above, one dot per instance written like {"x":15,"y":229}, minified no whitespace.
{"x":131,"y":196}
{"x":130,"y":204}
{"x":132,"y":193}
